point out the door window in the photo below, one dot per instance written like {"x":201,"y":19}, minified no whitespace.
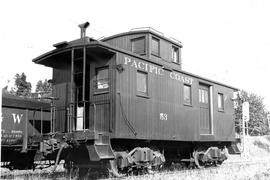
{"x":102,"y":79}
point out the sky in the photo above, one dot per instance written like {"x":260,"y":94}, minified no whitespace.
{"x":223,"y":40}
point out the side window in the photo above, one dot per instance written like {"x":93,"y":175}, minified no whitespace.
{"x":138,"y":45}
{"x":203,"y":96}
{"x":220,"y":102}
{"x":142,"y":83}
{"x":155,"y":46}
{"x":102,"y":79}
{"x":187,"y":94}
{"x":175,"y":54}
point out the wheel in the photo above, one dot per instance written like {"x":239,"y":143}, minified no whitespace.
{"x":197,"y":159}
{"x":113,"y":169}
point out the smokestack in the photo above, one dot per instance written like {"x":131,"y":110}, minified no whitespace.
{"x":83,"y":27}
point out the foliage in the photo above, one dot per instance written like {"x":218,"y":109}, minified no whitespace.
{"x":22,"y":87}
{"x":44,"y":88}
{"x":258,"y":124}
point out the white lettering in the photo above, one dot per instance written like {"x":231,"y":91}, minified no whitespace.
{"x":163,"y":116}
{"x":157,"y":70}
{"x":17,"y":117}
{"x":171,"y":75}
{"x":153,"y":68}
{"x":146,"y":67}
{"x":15,"y":131}
{"x":127,"y":60}
{"x":134,"y":64}
{"x":139,"y":65}
{"x":160,"y":71}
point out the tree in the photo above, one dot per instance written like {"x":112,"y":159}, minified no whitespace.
{"x":44,"y":88}
{"x":22,"y":87}
{"x":258,"y":124}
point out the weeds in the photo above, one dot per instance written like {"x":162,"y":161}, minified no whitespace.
{"x":259,"y":153}
{"x":262,"y":145}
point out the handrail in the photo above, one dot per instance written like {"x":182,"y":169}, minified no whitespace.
{"x":41,"y":121}
{"x":128,"y":123}
{"x":33,"y":126}
{"x":68,"y":119}
{"x":95,"y":109}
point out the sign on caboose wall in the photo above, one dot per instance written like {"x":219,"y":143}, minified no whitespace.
{"x":154,"y":69}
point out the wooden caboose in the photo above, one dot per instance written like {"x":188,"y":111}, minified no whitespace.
{"x":130,"y":89}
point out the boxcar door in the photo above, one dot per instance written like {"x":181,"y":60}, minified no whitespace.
{"x":204,"y":101}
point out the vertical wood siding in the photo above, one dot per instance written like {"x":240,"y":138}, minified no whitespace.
{"x":166,"y":96}
{"x":101,"y":104}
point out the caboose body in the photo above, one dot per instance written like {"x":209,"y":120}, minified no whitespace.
{"x":128,"y":93}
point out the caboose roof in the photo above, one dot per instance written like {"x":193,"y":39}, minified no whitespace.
{"x":147,"y":30}
{"x":64,"y":49}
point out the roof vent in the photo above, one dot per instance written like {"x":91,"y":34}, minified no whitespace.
{"x":61,"y":44}
{"x":83,"y":27}
{"x":147,"y":29}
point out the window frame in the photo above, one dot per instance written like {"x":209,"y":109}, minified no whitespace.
{"x":136,"y":39}
{"x":158,"y":40}
{"x":103,"y":90}
{"x":178,"y":54}
{"x":222,"y":108}
{"x":190,"y":95}
{"x":140,"y":93}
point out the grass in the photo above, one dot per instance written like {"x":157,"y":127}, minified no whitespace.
{"x":255,"y":165}
{"x":228,"y":171}
{"x":225,"y":172}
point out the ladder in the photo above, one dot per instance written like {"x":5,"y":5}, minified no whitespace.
{"x":78,"y":88}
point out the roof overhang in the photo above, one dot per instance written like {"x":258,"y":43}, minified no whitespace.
{"x":53,"y":58}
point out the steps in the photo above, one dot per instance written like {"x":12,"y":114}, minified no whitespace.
{"x":101,"y":149}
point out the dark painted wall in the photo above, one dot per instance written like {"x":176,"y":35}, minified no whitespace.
{"x":166,"y":96}
{"x":124,"y":42}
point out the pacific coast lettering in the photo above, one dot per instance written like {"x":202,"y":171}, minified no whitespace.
{"x":144,"y":66}
{"x":156,"y":70}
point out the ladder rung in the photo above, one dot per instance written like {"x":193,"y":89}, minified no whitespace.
{"x":79,"y":58}
{"x":78,"y":73}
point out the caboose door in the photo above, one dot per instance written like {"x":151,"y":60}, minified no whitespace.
{"x":204,"y":101}
{"x":101,"y":87}
{"x":100,"y":96}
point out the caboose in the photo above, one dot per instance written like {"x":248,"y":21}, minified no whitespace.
{"x":124,"y":102}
